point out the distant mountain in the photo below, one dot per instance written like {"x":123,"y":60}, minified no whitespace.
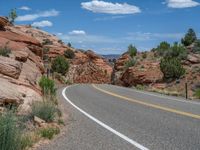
{"x":111,"y":56}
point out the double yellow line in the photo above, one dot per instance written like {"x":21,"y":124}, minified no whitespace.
{"x":149,"y":104}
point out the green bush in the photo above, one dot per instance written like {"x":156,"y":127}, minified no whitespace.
{"x":44,"y":110}
{"x":47,"y":42}
{"x":177,"y":51}
{"x":197,"y":93}
{"x":60,"y":65}
{"x":171,"y":68}
{"x":69,"y":54}
{"x":140,"y":87}
{"x":144,"y":55}
{"x":130,"y":63}
{"x":5,"y":51}
{"x":132,"y":50}
{"x":47,"y":85}
{"x":190,"y":37}
{"x":163,"y":48}
{"x":9,"y":133}
{"x":196,"y":47}
{"x":49,"y":132}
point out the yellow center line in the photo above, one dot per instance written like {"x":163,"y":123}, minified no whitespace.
{"x":149,"y":104}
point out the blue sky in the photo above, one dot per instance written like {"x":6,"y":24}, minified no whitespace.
{"x":109,"y":26}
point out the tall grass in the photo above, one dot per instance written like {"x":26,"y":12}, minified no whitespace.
{"x":10,"y":138}
{"x":44,"y":110}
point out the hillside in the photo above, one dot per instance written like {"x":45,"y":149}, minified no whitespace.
{"x":29,"y":53}
{"x":145,"y":73}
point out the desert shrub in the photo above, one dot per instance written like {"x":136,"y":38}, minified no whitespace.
{"x":69,"y":44}
{"x":26,"y":141}
{"x":49,"y":132}
{"x":132,"y":50}
{"x":47,"y":42}
{"x":162,"y":49}
{"x":177,"y":51}
{"x":69,"y":54}
{"x":9,"y":132}
{"x":44,"y":110}
{"x":197,"y":93}
{"x":45,"y":50}
{"x":196,"y":47}
{"x":60,"y":41}
{"x":5,"y":51}
{"x":171,"y":68}
{"x":140,"y":87}
{"x":130,"y":63}
{"x":47,"y":85}
{"x":190,"y":37}
{"x":144,"y":55}
{"x":61,"y":122}
{"x":60,"y":65}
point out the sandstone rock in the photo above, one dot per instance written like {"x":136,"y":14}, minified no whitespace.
{"x":148,"y":73}
{"x":193,"y":58}
{"x":9,"y":93}
{"x":39,"y":121}
{"x":21,"y":56}
{"x":10,"y":67}
{"x":119,"y":65}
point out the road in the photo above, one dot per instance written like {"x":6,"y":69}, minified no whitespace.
{"x":106,"y":117}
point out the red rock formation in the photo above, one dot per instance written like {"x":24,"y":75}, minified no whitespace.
{"x":88,"y":67}
{"x":144,"y":73}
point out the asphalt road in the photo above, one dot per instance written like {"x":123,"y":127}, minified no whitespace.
{"x":106,"y":117}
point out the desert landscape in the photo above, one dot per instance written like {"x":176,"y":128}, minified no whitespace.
{"x":35,"y":65}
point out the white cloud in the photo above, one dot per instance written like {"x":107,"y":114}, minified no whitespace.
{"x":44,"y":23}
{"x":109,"y":18}
{"x":98,"y":6}
{"x":140,"y":36}
{"x":25,"y":8}
{"x":77,"y":32}
{"x":31,"y":17}
{"x":181,"y":3}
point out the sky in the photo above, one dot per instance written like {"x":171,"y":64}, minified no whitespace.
{"x":109,"y":26}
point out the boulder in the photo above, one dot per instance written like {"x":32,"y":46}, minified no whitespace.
{"x":147,"y":73}
{"x":194,"y":58}
{"x":21,"y":56}
{"x":10,"y":67}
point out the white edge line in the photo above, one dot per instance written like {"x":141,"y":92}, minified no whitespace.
{"x":157,"y":95}
{"x":139,"y":146}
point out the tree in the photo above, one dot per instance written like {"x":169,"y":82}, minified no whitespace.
{"x":163,"y":48}
{"x":132,"y":50}
{"x":176,"y":51}
{"x":171,"y":68}
{"x":69,"y":54}
{"x":60,"y":65}
{"x":12,"y":15}
{"x":69,"y":44}
{"x":190,"y":37}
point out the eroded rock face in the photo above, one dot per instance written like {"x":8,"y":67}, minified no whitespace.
{"x":145,"y":73}
{"x":88,"y":67}
{"x":19,"y":73}
{"x":10,"y":67}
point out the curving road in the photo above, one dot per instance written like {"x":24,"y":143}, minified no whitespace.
{"x":106,"y":117}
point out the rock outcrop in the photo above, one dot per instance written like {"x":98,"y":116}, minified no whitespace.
{"x":88,"y":67}
{"x":143,"y":73}
{"x":20,"y":72}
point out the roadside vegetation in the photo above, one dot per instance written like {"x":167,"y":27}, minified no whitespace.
{"x":15,"y":130}
{"x":60,"y":65}
{"x":5,"y":51}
